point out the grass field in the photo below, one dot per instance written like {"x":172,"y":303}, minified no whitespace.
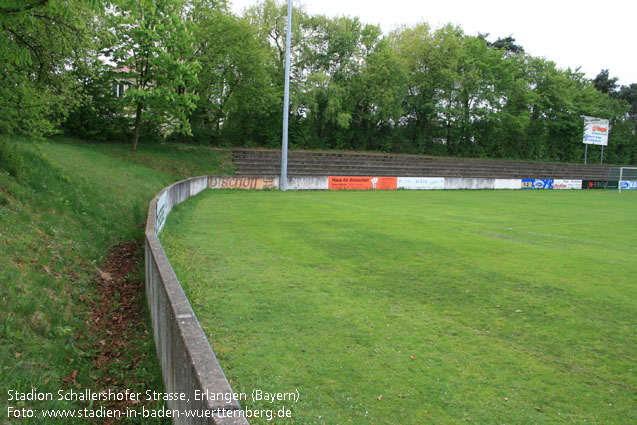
{"x":71,"y":202}
{"x":407,"y":307}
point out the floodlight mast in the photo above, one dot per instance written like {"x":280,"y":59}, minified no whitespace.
{"x":283,"y":184}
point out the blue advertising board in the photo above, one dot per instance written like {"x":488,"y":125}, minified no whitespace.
{"x":537,"y":183}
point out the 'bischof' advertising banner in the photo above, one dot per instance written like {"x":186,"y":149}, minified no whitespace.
{"x":596,"y":131}
{"x":232,"y":182}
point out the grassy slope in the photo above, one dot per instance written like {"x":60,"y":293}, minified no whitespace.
{"x":56,"y":226}
{"x":419,"y":307}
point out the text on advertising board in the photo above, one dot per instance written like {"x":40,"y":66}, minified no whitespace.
{"x":362,"y":183}
{"x":537,"y":183}
{"x":217,"y":182}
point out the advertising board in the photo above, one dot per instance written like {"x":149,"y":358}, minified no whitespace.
{"x":537,"y":183}
{"x":362,"y":183}
{"x":307,"y":183}
{"x":596,"y":131}
{"x":629,"y":184}
{"x":567,"y":184}
{"x":258,"y":183}
{"x":463,"y":183}
{"x":160,"y":217}
{"x":421,"y":183}
{"x":595,"y":184}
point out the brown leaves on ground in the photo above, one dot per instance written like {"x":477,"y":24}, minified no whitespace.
{"x":116,"y":322}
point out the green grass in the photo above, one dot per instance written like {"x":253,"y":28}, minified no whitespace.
{"x":71,"y":203}
{"x":410,"y":307}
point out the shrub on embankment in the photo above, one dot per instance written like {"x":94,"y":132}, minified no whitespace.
{"x":63,"y":205}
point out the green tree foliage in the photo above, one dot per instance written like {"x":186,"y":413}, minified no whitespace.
{"x":604,"y":83}
{"x":191,"y":64}
{"x":41,"y":42}
{"x":101,"y":115}
{"x":152,"y":48}
{"x":235,"y":89}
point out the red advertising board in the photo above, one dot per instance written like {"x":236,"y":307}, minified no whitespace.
{"x":362,"y":183}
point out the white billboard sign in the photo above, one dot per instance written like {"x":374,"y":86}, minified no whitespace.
{"x":567,"y":184}
{"x":160,"y":217}
{"x":596,"y":131}
{"x":421,"y":183}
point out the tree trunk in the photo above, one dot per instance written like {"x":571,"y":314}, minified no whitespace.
{"x":138,"y":122}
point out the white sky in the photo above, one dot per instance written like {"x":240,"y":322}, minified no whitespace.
{"x":593,"y":35}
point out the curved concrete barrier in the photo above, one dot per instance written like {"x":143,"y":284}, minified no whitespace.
{"x":192,"y":375}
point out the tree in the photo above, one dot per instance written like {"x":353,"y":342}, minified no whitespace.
{"x":152,"y":48}
{"x":334,"y":58}
{"x":604,"y":83}
{"x":507,"y":45}
{"x":234,"y":84}
{"x":377,"y":92}
{"x":41,"y":42}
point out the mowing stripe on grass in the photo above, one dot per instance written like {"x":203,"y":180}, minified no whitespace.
{"x":418,"y":307}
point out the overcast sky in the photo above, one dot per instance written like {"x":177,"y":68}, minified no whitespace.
{"x":593,"y":35}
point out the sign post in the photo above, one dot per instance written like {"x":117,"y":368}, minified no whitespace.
{"x":595,"y":133}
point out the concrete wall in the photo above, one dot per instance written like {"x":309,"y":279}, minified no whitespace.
{"x":362,"y":183}
{"x":187,"y":360}
{"x":507,"y":184}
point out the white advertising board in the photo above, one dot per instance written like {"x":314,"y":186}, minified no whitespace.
{"x":422,"y":183}
{"x":307,"y":183}
{"x":160,"y":217}
{"x":628,"y":184}
{"x":567,"y":184}
{"x":596,"y":131}
{"x":468,"y":183}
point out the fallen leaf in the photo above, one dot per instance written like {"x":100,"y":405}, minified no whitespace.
{"x":380,"y":397}
{"x":413,"y":357}
{"x":104,"y":275}
{"x":518,"y":311}
{"x":73,"y":375}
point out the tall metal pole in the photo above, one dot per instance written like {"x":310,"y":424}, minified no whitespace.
{"x":601,"y":160}
{"x":283,"y":184}
{"x":585,"y":154}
